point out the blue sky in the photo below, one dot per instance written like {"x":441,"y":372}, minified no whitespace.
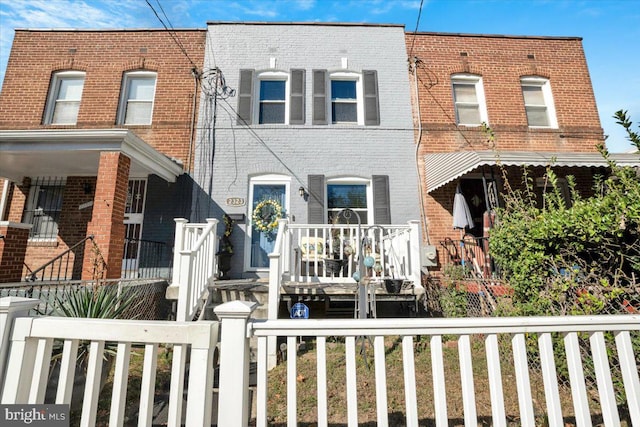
{"x":610,"y":28}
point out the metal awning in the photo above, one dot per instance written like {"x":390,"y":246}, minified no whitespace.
{"x":441,"y":168}
{"x":76,"y":152}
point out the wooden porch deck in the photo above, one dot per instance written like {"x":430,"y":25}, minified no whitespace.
{"x":328,"y":297}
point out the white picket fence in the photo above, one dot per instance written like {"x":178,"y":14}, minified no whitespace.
{"x":25,"y":357}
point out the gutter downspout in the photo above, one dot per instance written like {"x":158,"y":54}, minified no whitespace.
{"x":196,"y":77}
{"x":423,"y":213}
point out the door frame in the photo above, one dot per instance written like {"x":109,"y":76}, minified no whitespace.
{"x":131,"y":264}
{"x":267,"y":179}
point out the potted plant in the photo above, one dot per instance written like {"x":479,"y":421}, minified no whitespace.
{"x":225,"y":249}
{"x":340,"y":250}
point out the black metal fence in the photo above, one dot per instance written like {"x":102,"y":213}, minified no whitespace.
{"x":142,"y":259}
{"x":145,"y":259}
{"x":64,"y":266}
{"x":46,"y":292}
{"x":151,"y":303}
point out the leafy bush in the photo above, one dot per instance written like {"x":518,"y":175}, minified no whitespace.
{"x":578,"y":259}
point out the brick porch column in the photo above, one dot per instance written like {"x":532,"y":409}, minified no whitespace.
{"x":18,"y":194}
{"x":108,"y":215}
{"x":13,"y":246}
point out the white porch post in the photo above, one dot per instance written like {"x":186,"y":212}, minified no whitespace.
{"x":415,"y":240}
{"x":233,"y":401}
{"x":10,"y":308}
{"x":177,"y":247}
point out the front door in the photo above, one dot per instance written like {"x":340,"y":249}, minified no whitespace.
{"x":267,"y":195}
{"x":133,"y":218}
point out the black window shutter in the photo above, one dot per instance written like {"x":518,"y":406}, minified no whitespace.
{"x":315,"y":205}
{"x":319,"y":97}
{"x":296,"y":99}
{"x":381,"y":202}
{"x":245,"y":92}
{"x":371,"y":105}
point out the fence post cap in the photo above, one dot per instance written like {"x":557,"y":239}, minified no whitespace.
{"x":9,"y":304}
{"x":235,"y":309}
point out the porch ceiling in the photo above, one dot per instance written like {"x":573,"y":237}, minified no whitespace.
{"x":77,"y":153}
{"x":441,"y":168}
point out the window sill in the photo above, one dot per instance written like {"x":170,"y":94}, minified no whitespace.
{"x":137,"y":126}
{"x":40,"y":243}
{"x":548,"y":130}
{"x":466,"y":125}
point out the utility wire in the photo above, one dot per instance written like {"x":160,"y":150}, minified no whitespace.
{"x":259,"y":139}
{"x":171,"y":32}
{"x":416,"y":30}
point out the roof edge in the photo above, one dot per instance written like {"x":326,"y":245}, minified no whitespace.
{"x":310,"y":23}
{"x":110,"y":30}
{"x":497,"y":36}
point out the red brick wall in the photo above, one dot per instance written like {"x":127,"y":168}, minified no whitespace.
{"x":72,"y":228}
{"x":13,"y":244}
{"x":105,"y":56}
{"x":501,"y":61}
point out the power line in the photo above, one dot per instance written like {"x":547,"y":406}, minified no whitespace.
{"x":171,"y":32}
{"x":416,"y":30}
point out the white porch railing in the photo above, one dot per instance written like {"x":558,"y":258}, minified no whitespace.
{"x":29,"y":351}
{"x":394,"y":250}
{"x":194,"y":264}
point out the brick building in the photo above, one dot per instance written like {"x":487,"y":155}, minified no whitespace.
{"x":95,"y":129}
{"x":321,"y":121}
{"x":534,"y":93}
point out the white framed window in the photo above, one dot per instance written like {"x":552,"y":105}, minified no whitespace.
{"x":273,"y":89}
{"x":352,"y":193}
{"x":469,"y":100}
{"x":136,"y":99}
{"x":538,"y":102}
{"x":63,"y":102}
{"x":43,"y":208}
{"x":345,"y":91}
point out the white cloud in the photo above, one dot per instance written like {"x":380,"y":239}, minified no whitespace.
{"x":68,"y":14}
{"x":305,"y":4}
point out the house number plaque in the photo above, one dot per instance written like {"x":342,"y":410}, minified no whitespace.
{"x":235,"y":201}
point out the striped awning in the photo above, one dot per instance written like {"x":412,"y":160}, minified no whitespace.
{"x":441,"y":168}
